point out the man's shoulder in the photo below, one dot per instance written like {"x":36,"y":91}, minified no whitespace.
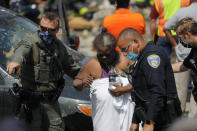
{"x":109,"y":17}
{"x":152,"y":49}
{"x":29,"y":40}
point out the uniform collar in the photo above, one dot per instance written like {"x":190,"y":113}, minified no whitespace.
{"x":149,"y":43}
{"x":123,"y":11}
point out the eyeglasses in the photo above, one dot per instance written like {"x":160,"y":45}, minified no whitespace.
{"x":125,"y":49}
{"x":50,"y":30}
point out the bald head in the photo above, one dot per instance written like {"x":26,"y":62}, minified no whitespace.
{"x":130,"y":33}
{"x":131,"y":41}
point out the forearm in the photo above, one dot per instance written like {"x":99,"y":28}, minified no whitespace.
{"x":127,"y":88}
{"x":170,"y":37}
{"x":178,"y":67}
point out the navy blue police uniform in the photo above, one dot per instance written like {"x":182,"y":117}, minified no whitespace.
{"x":151,"y":77}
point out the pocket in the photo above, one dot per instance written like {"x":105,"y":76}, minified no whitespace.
{"x":41,"y":75}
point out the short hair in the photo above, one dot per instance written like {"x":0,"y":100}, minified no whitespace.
{"x":186,"y":25}
{"x":130,"y":33}
{"x":122,"y":3}
{"x":52,"y":17}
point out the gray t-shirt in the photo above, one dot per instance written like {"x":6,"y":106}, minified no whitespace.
{"x":189,"y":11}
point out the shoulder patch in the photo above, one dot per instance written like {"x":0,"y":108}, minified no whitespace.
{"x":153,"y":60}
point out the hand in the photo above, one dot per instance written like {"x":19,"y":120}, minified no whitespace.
{"x":118,"y":91}
{"x":87,"y":81}
{"x":13,"y":65}
{"x":134,"y":127}
{"x":148,"y":127}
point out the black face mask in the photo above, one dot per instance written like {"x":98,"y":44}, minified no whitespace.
{"x":110,"y":60}
{"x":187,"y":45}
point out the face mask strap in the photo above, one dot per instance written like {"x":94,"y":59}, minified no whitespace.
{"x":137,"y":48}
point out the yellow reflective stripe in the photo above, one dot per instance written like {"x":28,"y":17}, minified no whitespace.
{"x":160,"y":6}
{"x":156,"y":5}
{"x":173,"y":32}
{"x":162,"y":9}
{"x":83,"y":10}
{"x":151,"y":2}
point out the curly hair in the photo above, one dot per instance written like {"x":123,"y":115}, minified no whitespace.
{"x":186,"y":25}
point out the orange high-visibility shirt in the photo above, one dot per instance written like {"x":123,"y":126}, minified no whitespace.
{"x":124,"y":18}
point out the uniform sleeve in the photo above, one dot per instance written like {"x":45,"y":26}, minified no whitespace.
{"x":70,"y":66}
{"x":21,"y":51}
{"x":153,"y":67}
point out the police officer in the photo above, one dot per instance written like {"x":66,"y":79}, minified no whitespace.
{"x":41,"y":60}
{"x":186,"y":30}
{"x":151,"y":78}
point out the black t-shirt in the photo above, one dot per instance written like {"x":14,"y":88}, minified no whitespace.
{"x":191,"y":59}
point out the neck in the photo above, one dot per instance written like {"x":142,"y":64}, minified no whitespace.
{"x":123,"y":7}
{"x":142,"y":46}
{"x":119,"y":71}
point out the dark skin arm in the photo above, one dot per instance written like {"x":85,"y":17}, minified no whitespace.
{"x":91,"y":71}
{"x":119,"y":90}
{"x":170,"y":37}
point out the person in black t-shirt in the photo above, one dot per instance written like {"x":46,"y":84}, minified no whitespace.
{"x":186,"y":30}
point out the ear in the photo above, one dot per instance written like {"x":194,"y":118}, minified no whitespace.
{"x":137,"y":42}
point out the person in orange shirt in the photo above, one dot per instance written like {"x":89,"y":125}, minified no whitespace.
{"x":124,"y":18}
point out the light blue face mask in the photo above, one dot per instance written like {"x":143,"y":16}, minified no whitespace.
{"x":132,"y":56}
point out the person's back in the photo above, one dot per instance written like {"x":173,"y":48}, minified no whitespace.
{"x":123,"y":18}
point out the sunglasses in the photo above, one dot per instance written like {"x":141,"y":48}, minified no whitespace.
{"x":50,"y":30}
{"x":125,"y":49}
